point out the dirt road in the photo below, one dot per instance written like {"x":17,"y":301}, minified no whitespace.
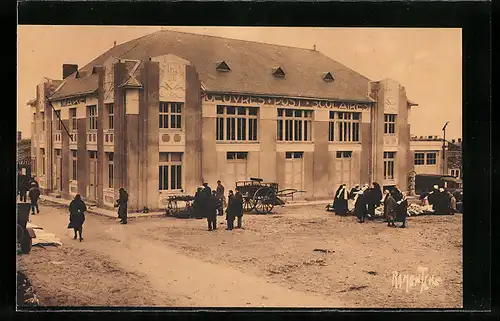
{"x":174,"y":278}
{"x":272,"y":262}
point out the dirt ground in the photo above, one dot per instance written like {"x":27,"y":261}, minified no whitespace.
{"x":271,"y":262}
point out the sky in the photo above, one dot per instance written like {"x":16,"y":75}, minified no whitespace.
{"x":426,"y":61}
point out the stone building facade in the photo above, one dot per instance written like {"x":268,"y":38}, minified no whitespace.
{"x":160,"y":115}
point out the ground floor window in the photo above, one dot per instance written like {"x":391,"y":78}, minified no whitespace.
{"x":74,"y":165}
{"x":344,"y":155}
{"x":419,"y":159}
{"x":389,"y":158}
{"x":170,"y":171}
{"x":431,"y":158}
{"x":111,"y":167}
{"x":455,"y":172}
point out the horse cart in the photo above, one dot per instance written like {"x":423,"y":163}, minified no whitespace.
{"x":262,"y":196}
{"x":180,"y":206}
{"x":24,"y":234}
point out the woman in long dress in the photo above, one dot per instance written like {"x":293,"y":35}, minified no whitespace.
{"x":121,"y":203}
{"x":77,"y":211}
{"x":389,"y":208}
{"x":340,"y":201}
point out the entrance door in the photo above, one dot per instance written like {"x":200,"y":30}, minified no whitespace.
{"x":343,"y":168}
{"x":93,"y":176}
{"x":236,"y":171}
{"x":294,"y":171}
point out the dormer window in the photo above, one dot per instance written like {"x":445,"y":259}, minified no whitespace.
{"x":278,"y":72}
{"x":328,"y":77}
{"x":223,"y":66}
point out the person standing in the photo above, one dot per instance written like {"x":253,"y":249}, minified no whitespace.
{"x":23,"y":187}
{"x":402,"y":206}
{"x":374,"y":198}
{"x":198,"y":203}
{"x":121,"y":203}
{"x":33,"y":181}
{"x":360,"y":206}
{"x":207,"y":190}
{"x":211,"y":204}
{"x":238,"y":207}
{"x":433,"y":197}
{"x":220,"y":194}
{"x":340,"y":201}
{"x":389,"y":208}
{"x":77,"y":211}
{"x":230,"y":210}
{"x":34,"y":195}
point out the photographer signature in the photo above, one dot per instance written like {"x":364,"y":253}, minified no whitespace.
{"x":408,"y":281}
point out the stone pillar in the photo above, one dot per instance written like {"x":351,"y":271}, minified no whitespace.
{"x":321,"y":157}
{"x":209,"y":160}
{"x":102,"y":163}
{"x":49,"y":147}
{"x":192,"y":116}
{"x":82,"y":153}
{"x":332,"y":174}
{"x":120,"y":166}
{"x":402,"y":164}
{"x":132,"y":146}
{"x":267,"y":139}
{"x":365,"y":134}
{"x":377,"y":126}
{"x":65,"y":154}
{"x":308,"y":176}
{"x":280,"y":169}
{"x":149,"y":110}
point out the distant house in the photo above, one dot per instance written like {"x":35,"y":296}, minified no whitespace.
{"x":24,"y":156}
{"x":454,"y":158}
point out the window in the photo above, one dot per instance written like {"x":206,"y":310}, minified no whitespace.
{"x":74,"y":164}
{"x":110,"y":170}
{"x":331,"y":127}
{"x":74,"y":123}
{"x":431,"y":158}
{"x":294,"y":125}
{"x":455,"y":172}
{"x":389,"y":124}
{"x":42,"y":116}
{"x":170,"y":171}
{"x":236,"y":155}
{"x":278,"y":72}
{"x":236,"y":123}
{"x":42,"y":151}
{"x":111,"y":119}
{"x":57,"y":120}
{"x":92,"y":117}
{"x":294,"y":155}
{"x":419,"y":159}
{"x":170,"y":115}
{"x":93,"y":154}
{"x":389,"y":165}
{"x":347,"y":124}
{"x":344,"y":154}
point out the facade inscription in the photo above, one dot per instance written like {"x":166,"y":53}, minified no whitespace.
{"x":285,"y":102}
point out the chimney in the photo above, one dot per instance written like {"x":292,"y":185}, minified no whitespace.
{"x":68,"y":69}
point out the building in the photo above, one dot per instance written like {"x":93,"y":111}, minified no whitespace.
{"x":454,"y":158}
{"x":161,"y":114}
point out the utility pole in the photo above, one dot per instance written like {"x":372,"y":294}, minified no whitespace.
{"x":444,"y":148}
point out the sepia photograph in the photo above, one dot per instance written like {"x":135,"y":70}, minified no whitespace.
{"x":239,"y":167}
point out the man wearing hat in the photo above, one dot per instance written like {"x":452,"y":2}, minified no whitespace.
{"x":433,"y":197}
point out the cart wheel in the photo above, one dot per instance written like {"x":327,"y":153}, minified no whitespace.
{"x":248,"y":205}
{"x":20,"y":233}
{"x":264,"y":199}
{"x":26,"y":243}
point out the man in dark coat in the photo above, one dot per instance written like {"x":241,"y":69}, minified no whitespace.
{"x":434,"y":198}
{"x":210,"y":207}
{"x":220,"y":194}
{"x":374,"y":198}
{"x":34,"y":195}
{"x":198,"y":203}
{"x":34,"y":182}
{"x":230,"y":211}
{"x":402,"y":206}
{"x":207,"y":190}
{"x":77,"y":211}
{"x":390,"y":206}
{"x":121,"y":203}
{"x":360,"y":206}
{"x":340,"y":201}
{"x":238,"y":207}
{"x":23,"y":187}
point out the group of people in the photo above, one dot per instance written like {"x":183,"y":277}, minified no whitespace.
{"x":210,"y":204}
{"x":28,"y":186}
{"x":442,"y":201}
{"x":367,"y":198}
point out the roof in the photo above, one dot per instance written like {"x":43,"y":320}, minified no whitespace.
{"x":73,"y":86}
{"x":251,"y":65}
